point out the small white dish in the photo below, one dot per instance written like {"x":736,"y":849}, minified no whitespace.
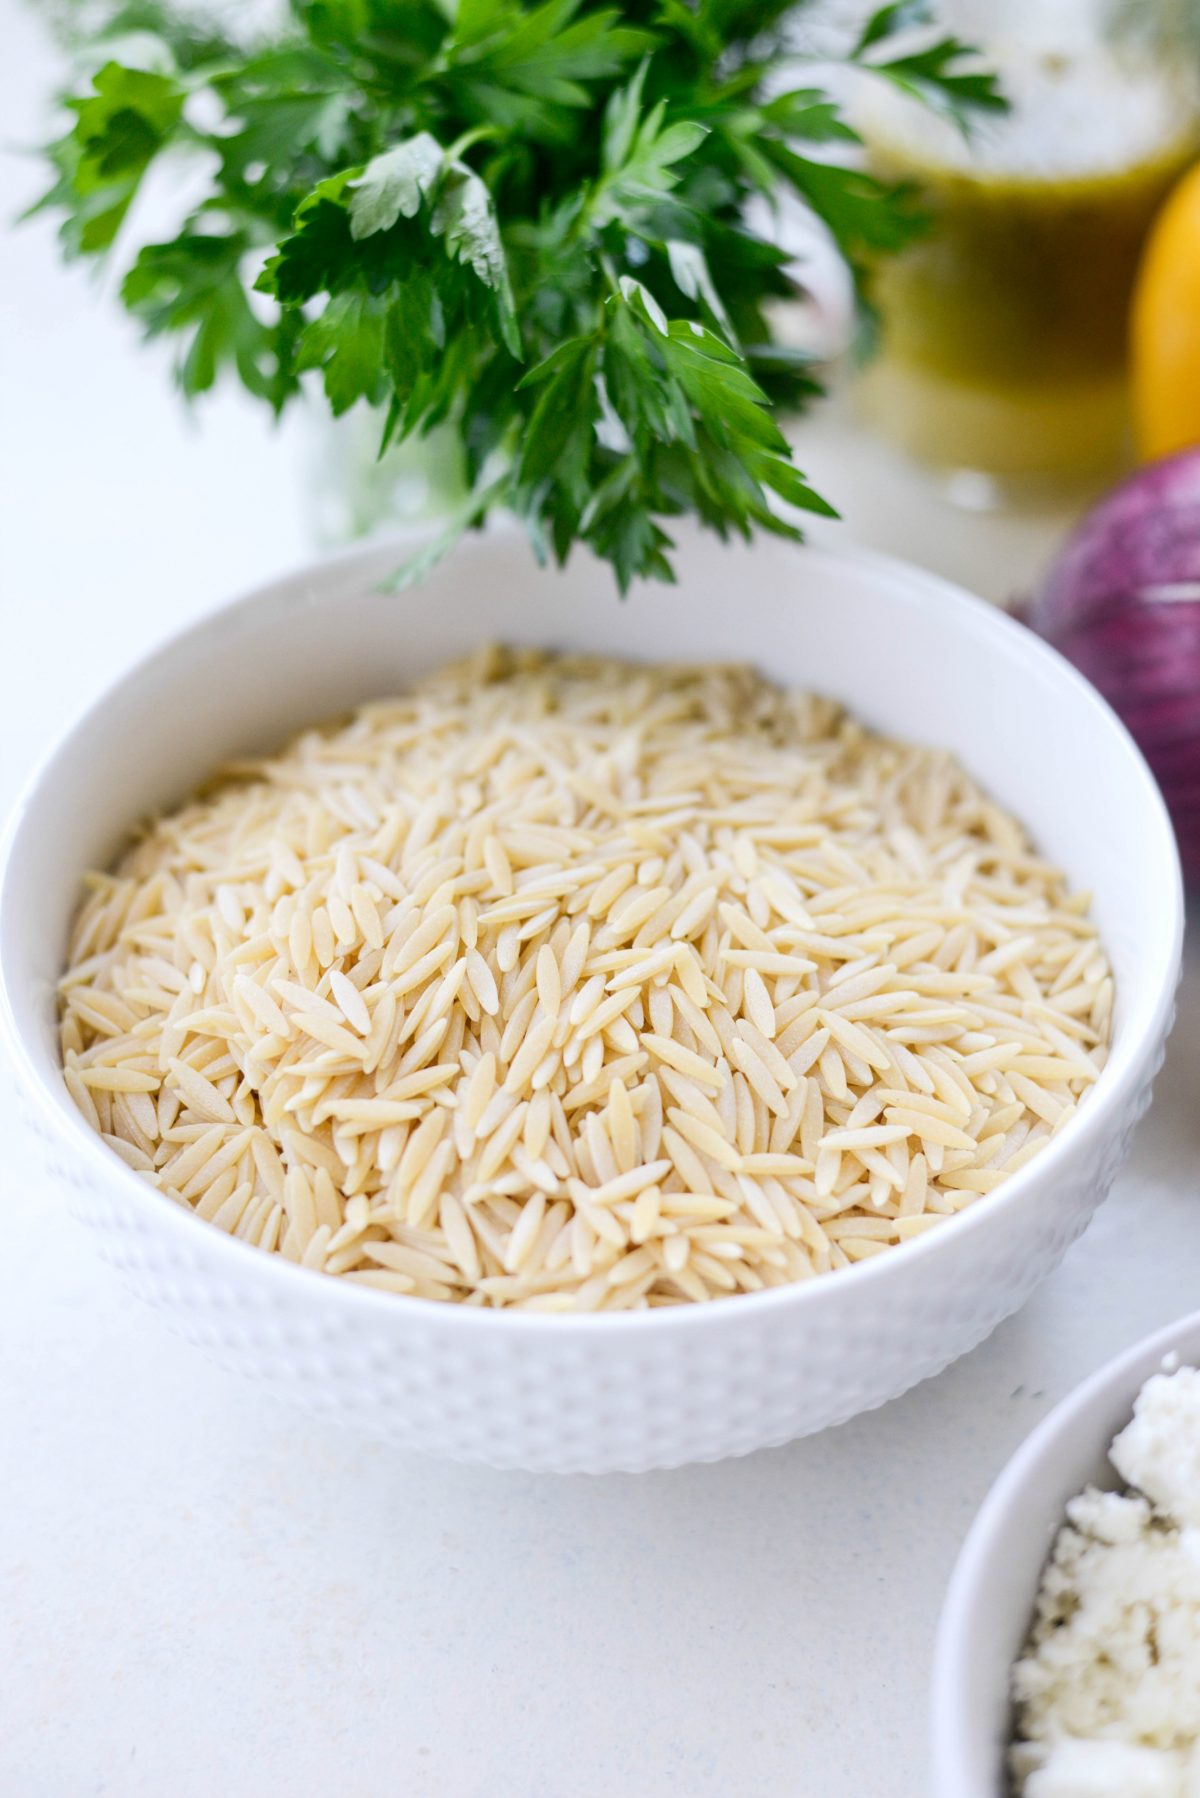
{"x":911,"y":655}
{"x":990,"y":1601}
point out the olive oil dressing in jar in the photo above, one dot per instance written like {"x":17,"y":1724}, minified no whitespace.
{"x":1004,"y":327}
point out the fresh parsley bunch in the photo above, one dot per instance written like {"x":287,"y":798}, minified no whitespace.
{"x":525,"y":221}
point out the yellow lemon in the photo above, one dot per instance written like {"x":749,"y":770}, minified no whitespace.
{"x":1166,"y":327}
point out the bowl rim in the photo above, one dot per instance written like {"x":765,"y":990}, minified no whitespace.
{"x":956,"y":1633}
{"x":910,"y":583}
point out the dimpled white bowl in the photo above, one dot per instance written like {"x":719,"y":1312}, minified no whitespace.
{"x":910,"y":655}
{"x":989,"y":1605}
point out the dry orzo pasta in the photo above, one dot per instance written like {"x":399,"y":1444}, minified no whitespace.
{"x":573,"y":984}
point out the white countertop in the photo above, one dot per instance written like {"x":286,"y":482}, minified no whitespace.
{"x":201,"y":1594}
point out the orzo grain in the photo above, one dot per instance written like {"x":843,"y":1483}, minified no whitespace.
{"x":565,"y":983}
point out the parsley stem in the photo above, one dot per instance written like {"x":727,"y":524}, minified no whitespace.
{"x":608,"y":270}
{"x":461,"y":145}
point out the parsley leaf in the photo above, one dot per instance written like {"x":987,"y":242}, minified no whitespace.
{"x":929,"y":71}
{"x":524,"y":222}
{"x":120,"y":127}
{"x":393,"y":185}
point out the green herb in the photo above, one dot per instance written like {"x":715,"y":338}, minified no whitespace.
{"x":930,"y":71}
{"x":526,"y":222}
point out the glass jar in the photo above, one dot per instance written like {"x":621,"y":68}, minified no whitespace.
{"x":1004,"y":327}
{"x":356,"y":495}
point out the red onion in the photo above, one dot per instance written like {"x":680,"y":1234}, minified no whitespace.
{"x":1123,"y":603}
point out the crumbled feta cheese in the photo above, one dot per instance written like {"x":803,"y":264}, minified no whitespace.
{"x":1108,"y":1691}
{"x":1109,"y":1516}
{"x":1159,"y":1452}
{"x":1107,"y":1770}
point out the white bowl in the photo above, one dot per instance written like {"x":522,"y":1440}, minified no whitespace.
{"x":911,"y":655}
{"x":989,"y":1605}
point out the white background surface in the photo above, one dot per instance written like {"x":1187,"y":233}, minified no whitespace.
{"x":201,"y":1595}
